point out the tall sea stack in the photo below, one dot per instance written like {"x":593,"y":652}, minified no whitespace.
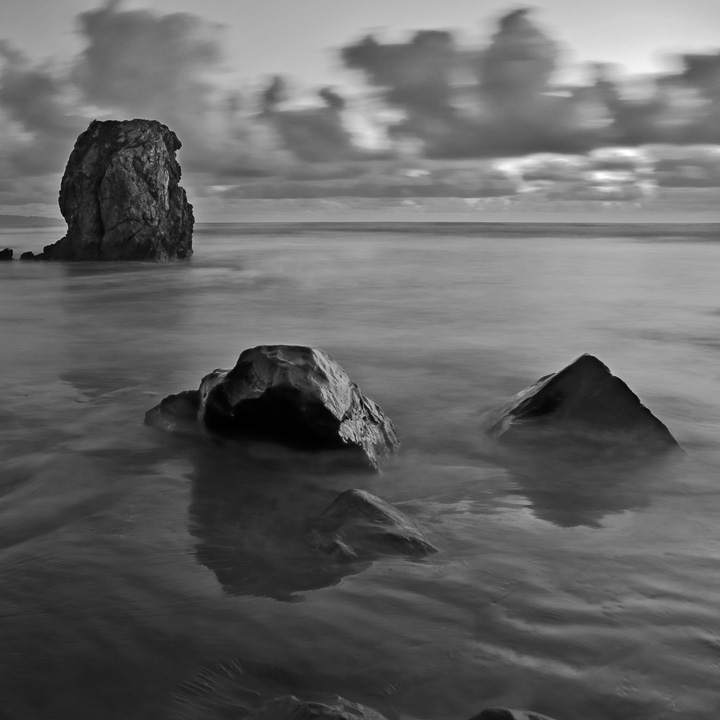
{"x":120,"y":196}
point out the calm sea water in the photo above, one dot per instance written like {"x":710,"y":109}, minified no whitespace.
{"x":145,"y":576}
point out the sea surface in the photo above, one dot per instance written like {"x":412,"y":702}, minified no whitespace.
{"x":147,"y":576}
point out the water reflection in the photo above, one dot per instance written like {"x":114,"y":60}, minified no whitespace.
{"x":573,"y":486}
{"x":252,"y":507}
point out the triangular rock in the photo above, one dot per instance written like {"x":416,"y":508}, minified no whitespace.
{"x":582,"y":399}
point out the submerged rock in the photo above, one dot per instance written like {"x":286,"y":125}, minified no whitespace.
{"x":295,"y":395}
{"x":291,"y":708}
{"x":359,"y":525}
{"x":507,"y":714}
{"x":583,"y":399}
{"x":121,"y":198}
{"x":6,"y":254}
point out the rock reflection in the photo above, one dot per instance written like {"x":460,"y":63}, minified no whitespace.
{"x":574,"y":486}
{"x":251,"y":510}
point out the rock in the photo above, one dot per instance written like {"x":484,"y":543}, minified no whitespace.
{"x":175,"y":412}
{"x":583,"y":400}
{"x":291,"y":708}
{"x":506,"y":714}
{"x":295,"y":395}
{"x":359,"y":525}
{"x":121,"y":198}
{"x":6,"y":254}
{"x":28,"y":256}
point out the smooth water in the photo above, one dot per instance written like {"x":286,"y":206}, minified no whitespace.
{"x":147,"y":576}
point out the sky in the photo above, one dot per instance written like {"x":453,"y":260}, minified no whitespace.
{"x":190,"y":63}
{"x":301,"y":37}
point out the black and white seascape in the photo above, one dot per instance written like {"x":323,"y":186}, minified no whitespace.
{"x":397,"y":401}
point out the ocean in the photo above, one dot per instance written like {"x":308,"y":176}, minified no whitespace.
{"x":150,"y":576}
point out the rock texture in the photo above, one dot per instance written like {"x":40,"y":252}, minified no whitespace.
{"x":507,"y":714}
{"x":582,"y":400}
{"x":291,"y":708}
{"x":176,"y":413}
{"x":295,"y":395}
{"x":121,"y":198}
{"x":6,"y":254}
{"x":359,"y":525}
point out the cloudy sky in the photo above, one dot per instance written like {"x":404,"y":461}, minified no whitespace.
{"x":194,"y":65}
{"x":300,"y":37}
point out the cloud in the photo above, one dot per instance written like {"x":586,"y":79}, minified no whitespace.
{"x":415,"y":74}
{"x":139,"y":64}
{"x":40,"y":121}
{"x":142,"y":61}
{"x":136,"y":63}
{"x":516,"y":68}
{"x":431,"y":98}
{"x":167,"y":66}
{"x":502,"y":100}
{"x":473,"y":102}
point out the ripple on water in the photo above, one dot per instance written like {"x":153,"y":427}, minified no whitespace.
{"x":150,"y":577}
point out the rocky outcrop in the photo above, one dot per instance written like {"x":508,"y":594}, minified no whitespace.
{"x":6,"y":254}
{"x":359,"y":525}
{"x":291,"y":708}
{"x":583,"y":400}
{"x":176,"y":413}
{"x":295,"y":395}
{"x":120,"y":196}
{"x":507,"y":714}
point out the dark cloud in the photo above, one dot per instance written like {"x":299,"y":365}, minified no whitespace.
{"x":315,"y":135}
{"x":143,"y":62}
{"x":275,"y":93}
{"x":693,"y":166}
{"x":703,"y":73}
{"x":502,"y":100}
{"x":473,"y":102}
{"x":416,"y":74}
{"x":332,"y":99}
{"x":38,"y":105}
{"x":515,"y":70}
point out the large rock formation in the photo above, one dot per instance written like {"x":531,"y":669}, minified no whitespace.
{"x":295,"y":395}
{"x":583,"y":400}
{"x":358,"y":525}
{"x":121,"y":198}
